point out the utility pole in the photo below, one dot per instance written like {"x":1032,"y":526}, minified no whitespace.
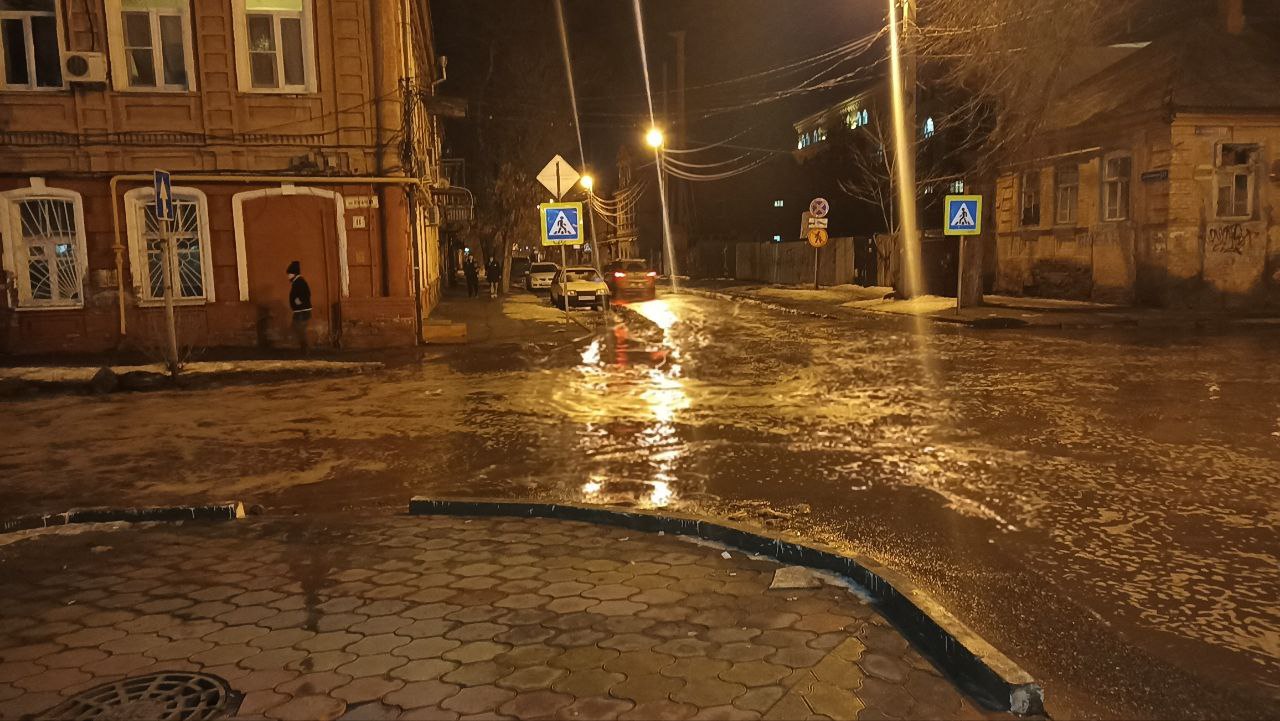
{"x":902,"y":61}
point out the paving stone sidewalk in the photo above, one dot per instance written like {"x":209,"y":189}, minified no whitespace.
{"x":445,"y":618}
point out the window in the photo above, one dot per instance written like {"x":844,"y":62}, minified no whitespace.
{"x":47,"y":254}
{"x":153,"y":44}
{"x":1031,"y":198}
{"x":30,"y":52}
{"x":1115,"y":187}
{"x":274,"y":45}
{"x":1235,"y":180}
{"x":190,"y":264}
{"x":777,"y":238}
{"x":778,"y":204}
{"x":1066,"y":193}
{"x":956,"y":187}
{"x":929,"y":128}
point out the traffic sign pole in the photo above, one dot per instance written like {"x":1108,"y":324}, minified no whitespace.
{"x":171,"y":325}
{"x":816,"y":251}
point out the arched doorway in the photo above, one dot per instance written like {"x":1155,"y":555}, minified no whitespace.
{"x":275,"y":227}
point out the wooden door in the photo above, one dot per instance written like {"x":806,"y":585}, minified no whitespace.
{"x":280,"y":229}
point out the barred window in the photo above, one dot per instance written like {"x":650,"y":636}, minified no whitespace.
{"x":43,"y":248}
{"x":190,"y":263}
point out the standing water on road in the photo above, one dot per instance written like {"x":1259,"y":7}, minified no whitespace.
{"x":1102,"y":508}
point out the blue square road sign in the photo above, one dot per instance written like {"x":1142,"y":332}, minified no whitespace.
{"x":561,"y":223}
{"x":963,"y":215}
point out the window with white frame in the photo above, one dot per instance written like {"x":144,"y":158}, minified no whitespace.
{"x":956,"y":187}
{"x":274,"y":45}
{"x":190,"y":264}
{"x":779,"y":203}
{"x":30,"y":49}
{"x":1030,"y":207}
{"x":44,"y":247}
{"x":1066,"y":193}
{"x":930,"y":128}
{"x":151,"y":47}
{"x":1235,"y":180}
{"x":1116,"y":177}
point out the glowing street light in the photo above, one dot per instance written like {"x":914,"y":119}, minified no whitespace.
{"x":588,"y":183}
{"x":654,"y":138}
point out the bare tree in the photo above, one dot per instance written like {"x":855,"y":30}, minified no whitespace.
{"x":1010,"y":58}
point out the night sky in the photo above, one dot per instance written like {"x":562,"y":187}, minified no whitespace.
{"x":725,"y":39}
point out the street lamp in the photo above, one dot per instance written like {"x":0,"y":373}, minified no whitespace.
{"x":588,"y":183}
{"x":654,"y":138}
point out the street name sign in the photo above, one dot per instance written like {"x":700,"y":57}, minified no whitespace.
{"x":818,"y":237}
{"x":818,"y":222}
{"x":164,"y":196}
{"x":963,"y":215}
{"x":558,"y":177}
{"x":819,"y":207}
{"x":561,"y":223}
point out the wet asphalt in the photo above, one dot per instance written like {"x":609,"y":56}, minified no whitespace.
{"x":1102,"y":506}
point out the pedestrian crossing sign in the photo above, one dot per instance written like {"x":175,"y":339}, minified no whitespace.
{"x":561,"y":223}
{"x":963,"y":215}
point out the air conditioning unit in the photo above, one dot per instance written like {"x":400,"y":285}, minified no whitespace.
{"x":78,"y":67}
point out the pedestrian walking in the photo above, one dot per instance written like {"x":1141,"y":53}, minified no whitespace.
{"x":299,"y":304}
{"x":493,"y":274}
{"x":472,"y":273}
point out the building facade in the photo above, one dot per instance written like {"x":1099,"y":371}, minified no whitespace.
{"x":293,"y":129}
{"x":1157,"y":181}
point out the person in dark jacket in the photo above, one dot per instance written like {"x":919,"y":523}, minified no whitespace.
{"x":493,"y":274}
{"x":299,"y":304}
{"x":472,"y":273}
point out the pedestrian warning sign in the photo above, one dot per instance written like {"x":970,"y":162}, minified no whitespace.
{"x":561,"y":223}
{"x":963,"y":215}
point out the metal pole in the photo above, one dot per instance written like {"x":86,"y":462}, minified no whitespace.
{"x":171,"y":356}
{"x":959,"y":272}
{"x":595,"y":251}
{"x":564,"y":297}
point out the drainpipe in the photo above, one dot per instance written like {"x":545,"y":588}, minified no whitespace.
{"x":118,"y":244}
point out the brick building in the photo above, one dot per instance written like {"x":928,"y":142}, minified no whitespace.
{"x":294,"y":129}
{"x":1157,"y":180}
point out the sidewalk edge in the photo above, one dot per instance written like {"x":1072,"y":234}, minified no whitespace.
{"x":955,"y":648}
{"x":227,"y":511}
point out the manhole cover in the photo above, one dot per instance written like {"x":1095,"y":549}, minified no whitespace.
{"x":170,"y":696}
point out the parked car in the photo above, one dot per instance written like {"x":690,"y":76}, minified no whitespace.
{"x":631,"y":278}
{"x":583,"y":288}
{"x":539,"y":276}
{"x":519,"y":268}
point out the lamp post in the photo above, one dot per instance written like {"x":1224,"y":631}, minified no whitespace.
{"x":588,"y":184}
{"x":655,"y":140}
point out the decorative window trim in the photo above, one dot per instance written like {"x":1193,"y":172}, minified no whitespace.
{"x":11,"y":224}
{"x":244,"y":77}
{"x":1026,"y":191}
{"x":134,"y":202}
{"x":1073,"y":217}
{"x":237,"y":216}
{"x":1104,"y":206}
{"x":120,"y":60}
{"x":1247,"y":170}
{"x":33,"y":86}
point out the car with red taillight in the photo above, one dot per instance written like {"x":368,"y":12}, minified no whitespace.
{"x":631,"y":278}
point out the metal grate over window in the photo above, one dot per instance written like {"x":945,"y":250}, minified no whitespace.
{"x":49,"y":237}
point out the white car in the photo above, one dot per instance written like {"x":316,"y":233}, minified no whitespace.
{"x":539,"y":276}
{"x":583,"y":288}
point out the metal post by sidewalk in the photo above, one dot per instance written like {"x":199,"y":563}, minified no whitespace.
{"x":168,"y":261}
{"x":816,"y":251}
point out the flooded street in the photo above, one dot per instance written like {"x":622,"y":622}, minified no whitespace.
{"x":1102,"y":507}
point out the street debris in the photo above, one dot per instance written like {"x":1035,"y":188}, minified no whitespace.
{"x":789,"y":577}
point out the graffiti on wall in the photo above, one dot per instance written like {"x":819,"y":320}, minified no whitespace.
{"x":1232,"y":238}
